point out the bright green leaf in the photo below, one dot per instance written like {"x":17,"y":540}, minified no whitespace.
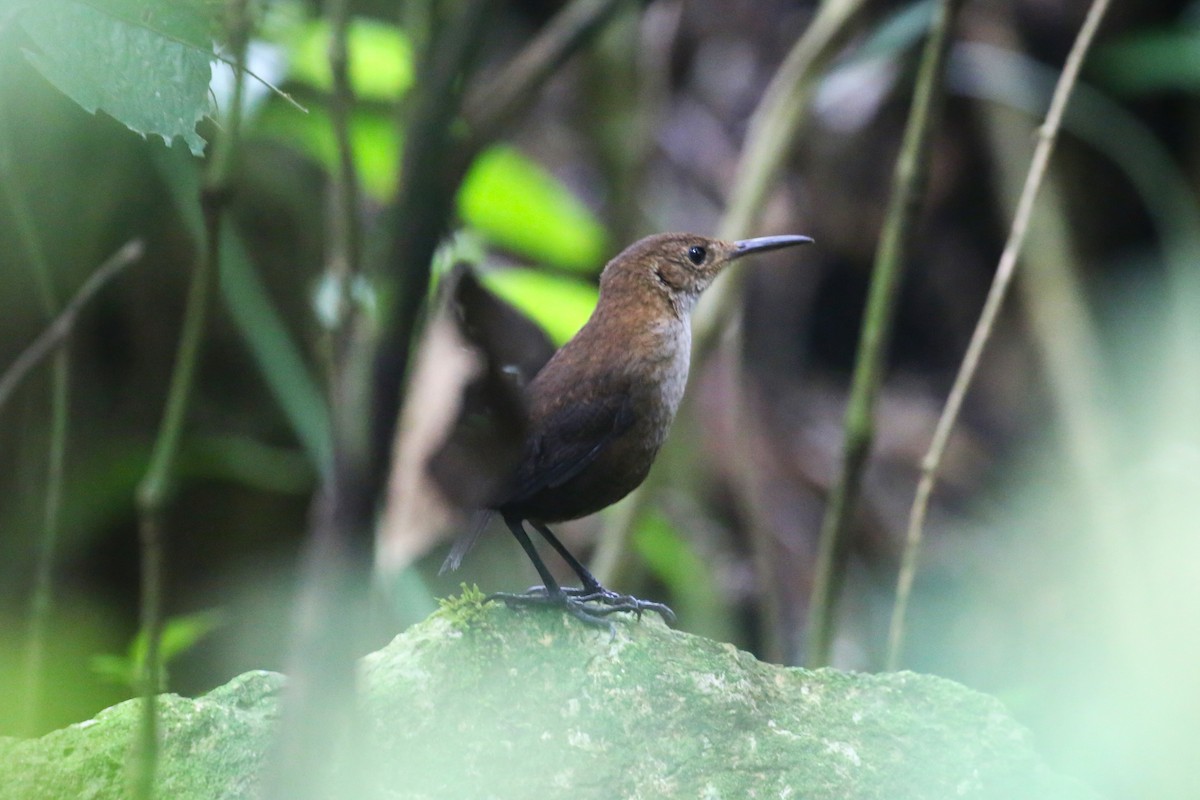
{"x":150,"y":83}
{"x":249,"y":462}
{"x":560,"y":305}
{"x":380,"y":58}
{"x":521,"y":207}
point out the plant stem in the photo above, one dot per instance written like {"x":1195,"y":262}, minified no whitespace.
{"x":782,"y":111}
{"x":344,"y":259}
{"x":908,"y":184}
{"x":154,"y":489}
{"x":43,"y":580}
{"x":770,"y":137}
{"x":60,"y":327}
{"x":1047,"y":135}
{"x":366,"y":386}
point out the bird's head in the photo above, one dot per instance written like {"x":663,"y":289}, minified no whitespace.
{"x":680,"y":266}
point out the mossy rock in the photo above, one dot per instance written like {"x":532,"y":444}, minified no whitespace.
{"x":480,"y":701}
{"x":212,"y":747}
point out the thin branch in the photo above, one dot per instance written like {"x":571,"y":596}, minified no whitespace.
{"x":154,"y":489}
{"x":770,"y":140}
{"x":908,"y":189}
{"x":782,"y":111}
{"x":930,"y":465}
{"x":42,"y":599}
{"x":365,"y":394}
{"x":280,"y":93}
{"x":60,"y":328}
{"x":344,"y":260}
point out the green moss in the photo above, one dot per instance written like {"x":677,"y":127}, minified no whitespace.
{"x":465,"y":610}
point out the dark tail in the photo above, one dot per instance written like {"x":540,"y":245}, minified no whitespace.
{"x":466,"y":540}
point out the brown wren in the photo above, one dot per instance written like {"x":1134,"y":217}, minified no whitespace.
{"x":601,"y":407}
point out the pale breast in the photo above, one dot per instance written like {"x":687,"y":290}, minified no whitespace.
{"x":667,"y":370}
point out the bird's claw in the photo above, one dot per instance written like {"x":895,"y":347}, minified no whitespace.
{"x":587,"y":604}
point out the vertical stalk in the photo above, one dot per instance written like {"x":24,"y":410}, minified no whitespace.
{"x":1047,"y":135}
{"x":41,"y":601}
{"x":366,"y":387}
{"x":344,"y":257}
{"x":908,"y":185}
{"x":154,"y":489}
{"x":782,"y":111}
{"x":43,"y":582}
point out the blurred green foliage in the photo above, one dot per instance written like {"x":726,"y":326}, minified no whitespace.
{"x":511,"y":200}
{"x":179,"y":634}
{"x":691,"y":579}
{"x":380,"y":64}
{"x":374,"y":138}
{"x":380,"y":58}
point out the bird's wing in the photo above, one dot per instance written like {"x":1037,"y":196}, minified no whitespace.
{"x":559,"y":450}
{"x":565,"y":443}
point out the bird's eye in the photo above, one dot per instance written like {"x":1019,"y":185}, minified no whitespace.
{"x":697,"y":254}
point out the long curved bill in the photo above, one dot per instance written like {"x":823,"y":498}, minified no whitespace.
{"x":764,"y":243}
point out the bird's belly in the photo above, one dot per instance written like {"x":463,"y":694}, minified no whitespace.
{"x":614,"y":474}
{"x":623,"y":464}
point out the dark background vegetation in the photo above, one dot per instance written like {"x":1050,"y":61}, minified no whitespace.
{"x":1080,"y":620}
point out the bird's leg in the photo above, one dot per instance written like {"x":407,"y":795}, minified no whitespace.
{"x":549,"y":585}
{"x":593,"y":592}
{"x":549,"y":593}
{"x":590,"y":584}
{"x":591,"y":604}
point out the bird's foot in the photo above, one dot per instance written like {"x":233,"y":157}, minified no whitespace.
{"x":588,"y":604}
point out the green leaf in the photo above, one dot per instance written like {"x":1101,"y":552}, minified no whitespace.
{"x":560,"y":305}
{"x":900,"y":31}
{"x":192,"y":22}
{"x":244,"y":460}
{"x":278,"y":354}
{"x":150,"y":83}
{"x":179,"y":634}
{"x":518,"y":205}
{"x":380,"y":58}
